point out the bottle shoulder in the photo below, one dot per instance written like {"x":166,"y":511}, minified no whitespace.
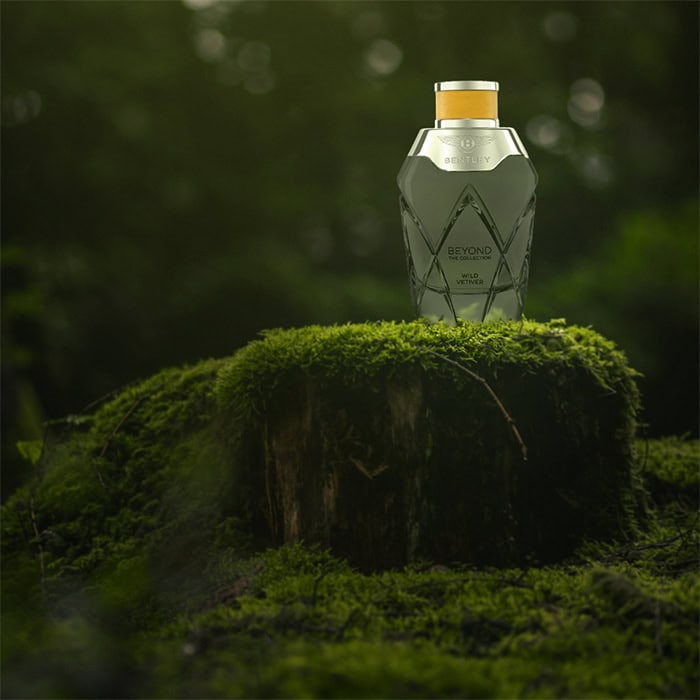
{"x":468,"y":148}
{"x":514,"y":170}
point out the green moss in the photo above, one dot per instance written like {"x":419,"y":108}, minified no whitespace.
{"x":671,"y":469}
{"x":311,"y":627}
{"x":360,"y":353}
{"x":299,"y":623}
{"x":144,"y":476}
{"x":145,"y":579}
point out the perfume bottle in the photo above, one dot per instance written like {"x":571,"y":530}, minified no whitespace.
{"x":468,"y":206}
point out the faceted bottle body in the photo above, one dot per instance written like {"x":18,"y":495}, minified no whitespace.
{"x":467,"y":207}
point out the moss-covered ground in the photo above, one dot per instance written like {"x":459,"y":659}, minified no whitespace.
{"x":130,"y":568}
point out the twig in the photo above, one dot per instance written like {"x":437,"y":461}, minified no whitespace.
{"x":492,"y":393}
{"x":116,"y":429}
{"x":68,"y":420}
{"x":103,"y":398}
{"x":628,"y":552}
{"x":39,"y":545}
{"x":348,"y":620}
{"x":41,"y":468}
{"x":654,"y":545}
{"x":369,"y":474}
{"x":134,"y":406}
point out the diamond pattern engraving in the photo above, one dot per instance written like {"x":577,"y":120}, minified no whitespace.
{"x":506,"y":266}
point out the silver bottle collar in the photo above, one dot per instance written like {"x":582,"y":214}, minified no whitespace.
{"x":467,"y":85}
{"x":466,"y":123}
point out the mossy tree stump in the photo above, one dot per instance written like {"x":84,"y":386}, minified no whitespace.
{"x":492,"y":444}
{"x":128,"y":568}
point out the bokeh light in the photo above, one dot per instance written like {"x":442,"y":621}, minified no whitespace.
{"x":383,"y":57}
{"x":585,"y":106}
{"x":560,"y":26}
{"x":21,"y":108}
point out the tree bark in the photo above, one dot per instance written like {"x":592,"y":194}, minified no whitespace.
{"x":425,"y":467}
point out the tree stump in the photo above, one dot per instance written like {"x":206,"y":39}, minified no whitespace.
{"x":388,"y":443}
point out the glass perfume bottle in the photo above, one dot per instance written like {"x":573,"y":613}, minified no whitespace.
{"x":468,"y":206}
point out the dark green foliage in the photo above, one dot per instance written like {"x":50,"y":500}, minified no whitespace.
{"x":129,"y":567}
{"x":179,"y":175}
{"x":636,"y":271}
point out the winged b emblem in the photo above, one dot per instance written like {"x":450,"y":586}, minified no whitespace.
{"x":467,"y":143}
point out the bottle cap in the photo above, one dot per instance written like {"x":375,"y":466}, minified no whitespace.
{"x":466,"y":99}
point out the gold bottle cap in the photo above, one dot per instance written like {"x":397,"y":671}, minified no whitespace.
{"x":466,"y":99}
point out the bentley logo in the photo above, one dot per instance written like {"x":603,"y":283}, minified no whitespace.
{"x":466,"y":143}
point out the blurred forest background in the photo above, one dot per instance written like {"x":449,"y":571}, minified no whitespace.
{"x":178,"y":176}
